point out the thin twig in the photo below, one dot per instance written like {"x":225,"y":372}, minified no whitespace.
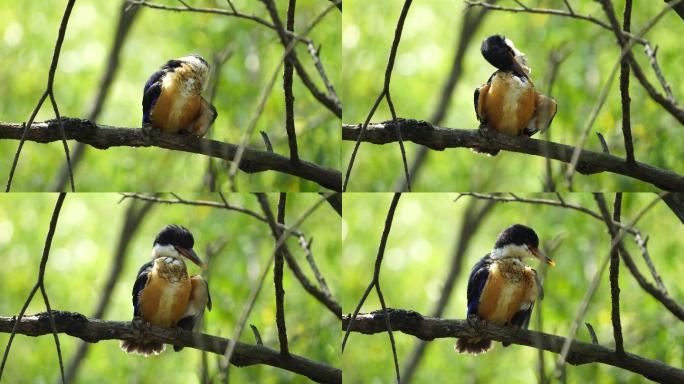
{"x":126,"y":18}
{"x":385,"y":93}
{"x":48,"y":92}
{"x":249,"y":304}
{"x":277,"y":269}
{"x":468,"y":27}
{"x":375,"y":282}
{"x":287,"y":87}
{"x":237,"y":158}
{"x":555,"y":12}
{"x":614,"y":272}
{"x":333,"y":105}
{"x":593,"y":286}
{"x":40,"y":283}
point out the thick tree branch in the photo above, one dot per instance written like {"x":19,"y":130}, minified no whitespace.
{"x":94,"y":330}
{"x":438,"y":138}
{"x":103,"y":137}
{"x":430,"y":328}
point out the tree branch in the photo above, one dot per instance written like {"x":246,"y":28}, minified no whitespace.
{"x":430,"y":328}
{"x":438,"y":138}
{"x":94,"y":330}
{"x":103,"y":137}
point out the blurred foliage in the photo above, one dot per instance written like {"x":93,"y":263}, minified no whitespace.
{"x":418,"y":257}
{"x":28,"y":30}
{"x":79,"y":264}
{"x":423,"y":62}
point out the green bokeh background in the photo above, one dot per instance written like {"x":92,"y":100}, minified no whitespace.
{"x":82,"y":251}
{"x":423,"y":63}
{"x":28,"y":31}
{"x":418,"y":258}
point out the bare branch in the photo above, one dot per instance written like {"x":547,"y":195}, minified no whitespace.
{"x":437,"y":138}
{"x":430,"y":328}
{"x":94,"y":330}
{"x":385,"y":93}
{"x":12,"y":325}
{"x":48,"y":92}
{"x":126,"y":18}
{"x":103,"y":137}
{"x":375,"y":282}
{"x":135,"y":213}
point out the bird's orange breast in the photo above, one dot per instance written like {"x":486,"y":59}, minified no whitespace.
{"x":174,"y":110}
{"x":162,"y":302}
{"x":509,"y":103}
{"x":503,"y":296}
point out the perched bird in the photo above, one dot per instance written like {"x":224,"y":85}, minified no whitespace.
{"x":501,"y":289}
{"x":172,"y":100}
{"x":509,"y":103}
{"x":163,"y":293}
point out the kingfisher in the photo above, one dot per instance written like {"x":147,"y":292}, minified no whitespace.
{"x":501,"y":288}
{"x":172,"y":100}
{"x":509,"y":103}
{"x":163,"y":294}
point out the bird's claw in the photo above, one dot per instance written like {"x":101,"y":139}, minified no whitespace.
{"x":140,"y":323}
{"x":475,"y":322}
{"x":149,"y":130}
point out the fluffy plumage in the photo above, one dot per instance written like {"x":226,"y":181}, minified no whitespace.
{"x":172,"y":100}
{"x":508,"y":102}
{"x":501,"y":289}
{"x":163,"y":293}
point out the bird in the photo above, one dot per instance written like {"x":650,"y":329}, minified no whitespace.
{"x":163,"y":293}
{"x":172,"y":100}
{"x":501,"y":288}
{"x":509,"y":103}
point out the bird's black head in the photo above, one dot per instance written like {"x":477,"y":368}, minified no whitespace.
{"x":175,"y":235}
{"x":500,"y":54}
{"x":517,"y":234}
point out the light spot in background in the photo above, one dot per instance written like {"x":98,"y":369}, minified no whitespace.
{"x":93,"y":53}
{"x":433,"y":289}
{"x":407,"y":64}
{"x":71,"y":61}
{"x":352,"y":254}
{"x":431,"y":55}
{"x":345,"y":230}
{"x":78,"y":213}
{"x":18,"y":256}
{"x":420,"y":250}
{"x":6,"y":231}
{"x":252,"y":62}
{"x":13,"y":34}
{"x":28,"y":220}
{"x":395,"y":259}
{"x":350,"y":36}
{"x":409,"y":211}
{"x":61,"y":259}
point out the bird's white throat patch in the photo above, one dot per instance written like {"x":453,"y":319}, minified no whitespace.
{"x":511,"y":251}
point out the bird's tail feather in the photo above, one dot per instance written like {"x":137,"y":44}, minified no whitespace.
{"x":474,"y":345}
{"x":145,"y":349}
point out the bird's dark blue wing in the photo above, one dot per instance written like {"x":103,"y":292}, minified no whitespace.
{"x":477,"y":100}
{"x":521,"y":319}
{"x":140,"y":283}
{"x":476,"y":282}
{"x":151,"y":94}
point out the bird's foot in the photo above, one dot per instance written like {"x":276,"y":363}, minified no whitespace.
{"x":150,"y":131}
{"x":476,"y":322}
{"x":140,"y":323}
